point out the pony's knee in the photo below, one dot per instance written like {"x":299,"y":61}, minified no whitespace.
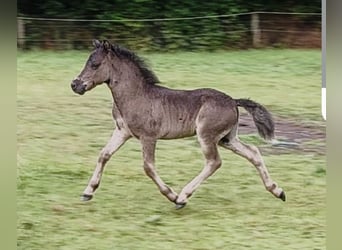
{"x":104,"y":156}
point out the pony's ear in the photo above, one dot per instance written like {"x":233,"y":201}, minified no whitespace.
{"x":96,"y":43}
{"x":106,"y":44}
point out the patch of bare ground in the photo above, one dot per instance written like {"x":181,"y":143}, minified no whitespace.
{"x":291,"y":135}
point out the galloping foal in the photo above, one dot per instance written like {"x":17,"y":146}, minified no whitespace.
{"x":148,"y":112}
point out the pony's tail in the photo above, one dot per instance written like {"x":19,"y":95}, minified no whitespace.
{"x":261,"y":117}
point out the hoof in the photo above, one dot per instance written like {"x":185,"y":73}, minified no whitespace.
{"x":180,"y":205}
{"x":86,"y":197}
{"x":282,"y":196}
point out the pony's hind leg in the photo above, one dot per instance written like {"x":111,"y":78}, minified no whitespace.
{"x":212,"y":123}
{"x":119,"y":137}
{"x":252,"y":154}
{"x":212,"y":163}
{"x":148,"y":149}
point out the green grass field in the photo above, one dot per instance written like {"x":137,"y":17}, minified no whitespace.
{"x":59,"y":136}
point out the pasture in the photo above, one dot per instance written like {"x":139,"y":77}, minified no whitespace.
{"x":60,"y":134}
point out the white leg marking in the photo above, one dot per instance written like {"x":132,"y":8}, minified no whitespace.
{"x":119,"y":137}
{"x":252,"y":154}
{"x":148,"y":148}
{"x":213,"y":162}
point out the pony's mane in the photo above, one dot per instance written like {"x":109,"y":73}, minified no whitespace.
{"x":146,"y":72}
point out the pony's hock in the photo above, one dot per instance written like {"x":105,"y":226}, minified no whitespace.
{"x":148,"y":112}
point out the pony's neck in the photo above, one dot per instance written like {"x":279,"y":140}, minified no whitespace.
{"x":126,"y":81}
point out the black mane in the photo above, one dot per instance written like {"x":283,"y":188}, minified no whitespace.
{"x":146,"y":72}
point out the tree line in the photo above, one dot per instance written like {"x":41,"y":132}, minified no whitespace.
{"x":206,"y":33}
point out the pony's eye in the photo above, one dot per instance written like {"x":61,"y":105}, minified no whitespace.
{"x":94,"y":66}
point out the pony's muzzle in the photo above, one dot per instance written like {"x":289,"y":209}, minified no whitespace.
{"x":78,"y":86}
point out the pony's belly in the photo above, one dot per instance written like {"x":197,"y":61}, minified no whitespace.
{"x":174,"y":134}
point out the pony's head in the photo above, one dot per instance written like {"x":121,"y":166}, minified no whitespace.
{"x":96,"y":69}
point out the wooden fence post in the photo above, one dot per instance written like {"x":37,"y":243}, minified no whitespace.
{"x":21,"y":33}
{"x":256,"y":30}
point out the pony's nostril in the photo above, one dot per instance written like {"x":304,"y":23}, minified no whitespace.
{"x":73,"y":85}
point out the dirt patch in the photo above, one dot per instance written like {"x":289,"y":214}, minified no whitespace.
{"x":291,"y":135}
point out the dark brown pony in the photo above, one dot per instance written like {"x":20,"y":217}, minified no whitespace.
{"x":148,"y":112}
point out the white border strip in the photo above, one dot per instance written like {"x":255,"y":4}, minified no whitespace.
{"x":324,"y":105}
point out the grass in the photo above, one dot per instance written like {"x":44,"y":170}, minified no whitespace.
{"x":60,"y":135}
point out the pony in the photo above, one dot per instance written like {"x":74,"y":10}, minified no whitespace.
{"x":147,"y":111}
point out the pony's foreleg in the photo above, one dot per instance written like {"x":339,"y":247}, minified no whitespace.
{"x":148,"y":150}
{"x":119,"y":137}
{"x":252,"y":154}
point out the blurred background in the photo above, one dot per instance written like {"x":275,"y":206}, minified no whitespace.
{"x":169,"y":25}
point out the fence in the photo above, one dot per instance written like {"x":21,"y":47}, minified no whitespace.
{"x":244,"y":30}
